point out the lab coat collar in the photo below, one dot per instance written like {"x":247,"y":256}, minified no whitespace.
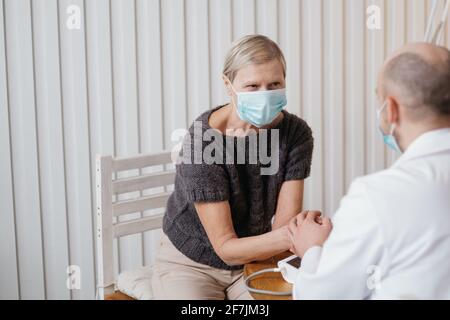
{"x":428,"y":143}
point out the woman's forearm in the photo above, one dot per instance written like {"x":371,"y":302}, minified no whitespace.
{"x":238,"y":251}
{"x":279,"y":222}
{"x":289,"y":204}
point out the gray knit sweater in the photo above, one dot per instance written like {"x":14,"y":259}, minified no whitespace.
{"x":252,"y":196}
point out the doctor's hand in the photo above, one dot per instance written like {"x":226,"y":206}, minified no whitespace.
{"x":307,"y":230}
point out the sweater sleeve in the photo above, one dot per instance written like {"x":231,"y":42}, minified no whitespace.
{"x":201,"y":181}
{"x":204,"y":182}
{"x":300,"y":149}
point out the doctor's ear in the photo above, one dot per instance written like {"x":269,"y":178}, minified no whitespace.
{"x":392,"y":110}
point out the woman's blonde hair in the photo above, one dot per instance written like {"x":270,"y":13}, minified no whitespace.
{"x":251,"y":49}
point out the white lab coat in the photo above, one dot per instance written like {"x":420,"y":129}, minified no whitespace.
{"x":391,"y":234}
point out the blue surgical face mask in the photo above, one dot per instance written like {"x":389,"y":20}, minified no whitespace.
{"x":389,"y":139}
{"x":260,"y":108}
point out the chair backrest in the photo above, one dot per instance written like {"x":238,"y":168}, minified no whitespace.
{"x":109,"y":207}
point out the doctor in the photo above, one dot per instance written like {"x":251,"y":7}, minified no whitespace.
{"x":391,"y":234}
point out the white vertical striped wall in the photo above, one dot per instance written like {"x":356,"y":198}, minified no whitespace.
{"x":138,"y":69}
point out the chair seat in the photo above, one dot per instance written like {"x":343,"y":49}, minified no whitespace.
{"x":136,"y":283}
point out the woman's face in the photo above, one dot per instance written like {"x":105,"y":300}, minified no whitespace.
{"x":259,"y":77}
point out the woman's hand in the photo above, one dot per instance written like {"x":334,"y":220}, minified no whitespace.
{"x":294,"y":222}
{"x":308,"y":229}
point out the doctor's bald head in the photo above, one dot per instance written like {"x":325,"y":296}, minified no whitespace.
{"x":418,"y":77}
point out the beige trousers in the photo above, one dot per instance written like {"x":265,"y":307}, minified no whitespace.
{"x":176,"y":277}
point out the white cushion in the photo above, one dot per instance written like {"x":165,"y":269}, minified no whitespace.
{"x":136,"y":283}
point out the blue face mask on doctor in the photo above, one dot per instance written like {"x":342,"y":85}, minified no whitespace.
{"x":260,"y":108}
{"x":389,"y":139}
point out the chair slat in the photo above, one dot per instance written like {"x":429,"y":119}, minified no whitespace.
{"x":141,"y":161}
{"x":138,"y":225}
{"x":105,"y":272}
{"x":143,"y":182}
{"x":141,"y":204}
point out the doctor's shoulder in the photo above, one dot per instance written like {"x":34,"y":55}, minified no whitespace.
{"x":392,"y":178}
{"x":374,"y":181}
{"x":381,"y":188}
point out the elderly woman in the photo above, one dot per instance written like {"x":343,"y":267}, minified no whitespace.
{"x":225,"y":214}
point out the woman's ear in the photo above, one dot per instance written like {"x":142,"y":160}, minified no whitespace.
{"x":227,"y":85}
{"x":393,"y":110}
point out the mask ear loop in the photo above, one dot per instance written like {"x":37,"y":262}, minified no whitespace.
{"x":393,"y":127}
{"x":234,"y":91}
{"x":379,"y":112}
{"x":231,"y":86}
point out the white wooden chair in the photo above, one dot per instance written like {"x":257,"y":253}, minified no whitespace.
{"x":109,"y":208}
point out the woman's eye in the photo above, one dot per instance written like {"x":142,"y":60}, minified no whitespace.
{"x":274,"y":86}
{"x":251,"y":87}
